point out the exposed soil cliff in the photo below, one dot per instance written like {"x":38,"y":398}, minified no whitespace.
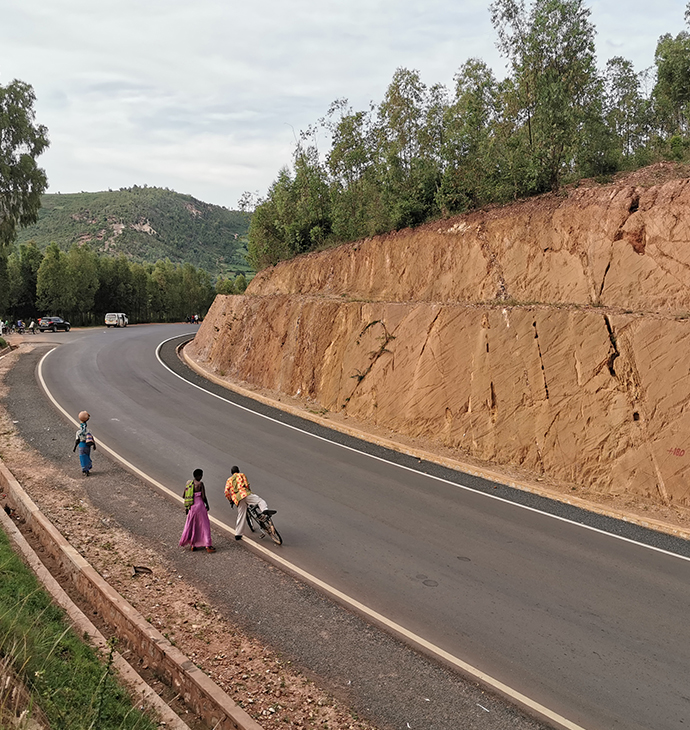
{"x":553,"y":335}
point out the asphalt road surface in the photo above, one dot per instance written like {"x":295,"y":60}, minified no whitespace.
{"x":588,"y":625}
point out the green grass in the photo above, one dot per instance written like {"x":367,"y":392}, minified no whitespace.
{"x":74,"y":688}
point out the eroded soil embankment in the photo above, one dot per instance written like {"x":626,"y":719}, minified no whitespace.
{"x":590,"y":386}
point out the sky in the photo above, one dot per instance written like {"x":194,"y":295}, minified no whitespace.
{"x":208,"y":97}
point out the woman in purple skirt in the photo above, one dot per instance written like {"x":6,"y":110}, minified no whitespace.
{"x":197,"y":529}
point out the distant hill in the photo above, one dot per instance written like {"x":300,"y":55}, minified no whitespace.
{"x":146,"y":224}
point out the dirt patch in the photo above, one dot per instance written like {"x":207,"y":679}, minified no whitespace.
{"x":274,"y":693}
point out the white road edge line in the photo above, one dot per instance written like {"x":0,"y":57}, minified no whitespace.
{"x":468,"y":669}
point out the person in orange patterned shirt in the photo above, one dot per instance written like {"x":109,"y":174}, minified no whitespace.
{"x":238,"y":491}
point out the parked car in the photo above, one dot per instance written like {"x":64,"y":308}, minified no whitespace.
{"x":116,"y":319}
{"x":53,"y":324}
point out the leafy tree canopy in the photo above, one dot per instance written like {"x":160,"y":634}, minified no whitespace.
{"x":672,"y":92}
{"x":425,"y":151}
{"x":22,"y":182}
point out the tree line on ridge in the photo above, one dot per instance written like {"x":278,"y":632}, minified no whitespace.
{"x":425,"y":152}
{"x":81,"y":286}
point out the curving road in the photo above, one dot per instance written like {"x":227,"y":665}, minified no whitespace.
{"x":590,"y":626}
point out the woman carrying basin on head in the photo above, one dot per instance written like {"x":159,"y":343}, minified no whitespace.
{"x":84,"y":442}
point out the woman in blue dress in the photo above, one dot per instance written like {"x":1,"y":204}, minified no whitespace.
{"x":84,"y":442}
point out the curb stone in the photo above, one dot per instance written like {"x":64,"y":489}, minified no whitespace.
{"x":143,"y":694}
{"x":200,"y":693}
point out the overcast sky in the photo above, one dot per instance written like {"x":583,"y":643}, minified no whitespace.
{"x":206,"y":96}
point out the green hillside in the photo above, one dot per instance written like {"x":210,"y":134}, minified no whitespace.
{"x":146,"y":224}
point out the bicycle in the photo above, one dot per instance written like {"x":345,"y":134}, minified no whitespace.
{"x":256,"y":519}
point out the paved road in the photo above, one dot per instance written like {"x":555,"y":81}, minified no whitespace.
{"x":590,"y":626}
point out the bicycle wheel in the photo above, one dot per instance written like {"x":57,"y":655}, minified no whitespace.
{"x":250,"y":521}
{"x":270,"y":530}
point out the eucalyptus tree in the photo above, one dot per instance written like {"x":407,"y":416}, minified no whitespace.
{"x":266,"y":240}
{"x":550,"y":48}
{"x":81,"y":279}
{"x":114,"y":287}
{"x":353,"y":145}
{"x":310,"y":200}
{"x":198,"y":292}
{"x":22,"y":267}
{"x":52,"y":293}
{"x":240,"y":284}
{"x":672,"y":90}
{"x":274,"y":223}
{"x":22,"y":182}
{"x":166,"y":295}
{"x":352,"y":164}
{"x":408,"y":161}
{"x":626,"y":109}
{"x":295,"y":215}
{"x":401,"y":117}
{"x":124,"y":291}
{"x":468,"y":143}
{"x":140,"y":311}
{"x":225,"y":286}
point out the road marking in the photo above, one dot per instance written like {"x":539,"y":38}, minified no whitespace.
{"x":459,"y":485}
{"x":468,"y":669}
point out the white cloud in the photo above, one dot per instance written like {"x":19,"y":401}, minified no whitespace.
{"x":204,"y":97}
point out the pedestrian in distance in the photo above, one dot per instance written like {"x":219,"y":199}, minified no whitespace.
{"x":197,"y":528}
{"x":84,"y":442}
{"x":239,"y":493}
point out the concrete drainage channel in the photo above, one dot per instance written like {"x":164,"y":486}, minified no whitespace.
{"x":199,"y":693}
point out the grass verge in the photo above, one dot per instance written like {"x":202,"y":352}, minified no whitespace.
{"x":65,"y":677}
